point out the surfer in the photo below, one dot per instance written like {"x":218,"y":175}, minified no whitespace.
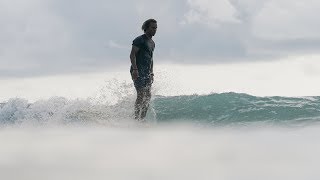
{"x":141,"y":69}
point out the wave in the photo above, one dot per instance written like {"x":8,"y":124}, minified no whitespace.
{"x":213,"y":109}
{"x":230,"y":108}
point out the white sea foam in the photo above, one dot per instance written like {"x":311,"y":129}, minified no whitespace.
{"x":175,"y":152}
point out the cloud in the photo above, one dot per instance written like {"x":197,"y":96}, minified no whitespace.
{"x":249,"y":30}
{"x":285,"y":19}
{"x":210,"y":12}
{"x":42,"y":37}
{"x":112,"y":44}
{"x":32,"y":37}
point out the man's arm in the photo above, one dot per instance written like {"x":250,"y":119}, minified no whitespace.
{"x":152,"y":67}
{"x":133,"y":53}
{"x":135,"y":72}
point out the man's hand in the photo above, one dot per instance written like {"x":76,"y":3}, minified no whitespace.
{"x":135,"y":74}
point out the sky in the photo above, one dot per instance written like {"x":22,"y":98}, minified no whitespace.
{"x":86,"y":41}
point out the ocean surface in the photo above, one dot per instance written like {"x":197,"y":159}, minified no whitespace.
{"x":228,"y":136}
{"x":213,"y":110}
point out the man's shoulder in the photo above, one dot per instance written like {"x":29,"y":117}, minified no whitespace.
{"x":141,"y":37}
{"x":139,"y":40}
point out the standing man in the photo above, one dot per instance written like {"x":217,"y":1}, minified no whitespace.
{"x":141,"y":70}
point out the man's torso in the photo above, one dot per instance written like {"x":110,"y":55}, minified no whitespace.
{"x":144,"y":57}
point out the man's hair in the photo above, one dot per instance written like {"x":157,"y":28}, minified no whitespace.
{"x":147,"y":23}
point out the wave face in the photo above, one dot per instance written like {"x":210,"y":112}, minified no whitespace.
{"x":214,"y":109}
{"x":235,"y":108}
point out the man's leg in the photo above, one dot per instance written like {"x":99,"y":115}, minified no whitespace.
{"x":138,"y":104}
{"x":146,"y":101}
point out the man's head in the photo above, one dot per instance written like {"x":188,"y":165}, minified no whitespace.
{"x":150,"y":27}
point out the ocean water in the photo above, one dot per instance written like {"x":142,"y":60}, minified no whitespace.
{"x":213,"y":110}
{"x":228,"y":136}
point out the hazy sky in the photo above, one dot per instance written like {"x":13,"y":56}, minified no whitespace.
{"x":50,"y":37}
{"x":78,"y":49}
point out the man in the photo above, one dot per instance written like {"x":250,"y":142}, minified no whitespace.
{"x":141,"y":70}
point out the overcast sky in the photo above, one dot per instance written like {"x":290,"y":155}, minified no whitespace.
{"x":50,"y":37}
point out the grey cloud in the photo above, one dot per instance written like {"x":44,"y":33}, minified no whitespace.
{"x":56,"y":36}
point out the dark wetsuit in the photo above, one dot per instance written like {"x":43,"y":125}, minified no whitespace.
{"x":144,"y":61}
